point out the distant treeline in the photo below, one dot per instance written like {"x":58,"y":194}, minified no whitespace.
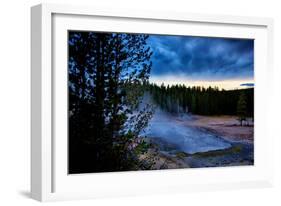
{"x":200,"y":100}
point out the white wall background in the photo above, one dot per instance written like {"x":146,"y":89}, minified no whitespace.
{"x":15,"y":101}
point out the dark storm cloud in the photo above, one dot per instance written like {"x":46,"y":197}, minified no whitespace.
{"x":247,"y":85}
{"x":202,"y":57}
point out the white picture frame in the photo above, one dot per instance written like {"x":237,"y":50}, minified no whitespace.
{"x":49,"y":178}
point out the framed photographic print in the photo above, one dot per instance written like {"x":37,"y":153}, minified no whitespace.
{"x":136,"y":102}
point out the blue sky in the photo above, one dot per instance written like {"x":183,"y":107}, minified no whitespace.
{"x":186,"y":59}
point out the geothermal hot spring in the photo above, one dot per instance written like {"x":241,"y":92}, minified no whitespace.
{"x":173,"y":130}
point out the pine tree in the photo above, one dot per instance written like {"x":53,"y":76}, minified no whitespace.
{"x":106,"y":71}
{"x":242,"y":108}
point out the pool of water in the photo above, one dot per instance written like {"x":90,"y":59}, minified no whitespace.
{"x":167,"y":128}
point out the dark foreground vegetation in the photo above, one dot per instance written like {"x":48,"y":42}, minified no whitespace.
{"x":105,"y":72}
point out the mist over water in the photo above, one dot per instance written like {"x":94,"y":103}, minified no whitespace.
{"x":171,"y":129}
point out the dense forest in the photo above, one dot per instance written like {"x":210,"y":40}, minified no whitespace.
{"x":202,"y":101}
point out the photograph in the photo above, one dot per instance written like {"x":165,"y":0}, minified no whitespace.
{"x":141,"y":101}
